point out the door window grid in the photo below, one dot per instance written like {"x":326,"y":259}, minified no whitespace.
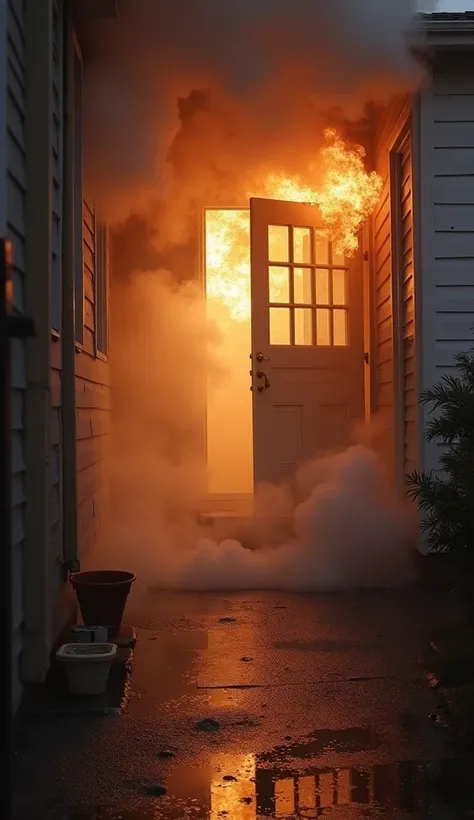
{"x":308,"y":289}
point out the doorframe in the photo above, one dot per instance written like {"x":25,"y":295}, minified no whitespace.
{"x":368,"y":285}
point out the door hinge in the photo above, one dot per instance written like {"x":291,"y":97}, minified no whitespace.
{"x":366,"y":358}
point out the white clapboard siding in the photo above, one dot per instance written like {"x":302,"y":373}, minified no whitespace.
{"x":16,"y":194}
{"x":56,"y":262}
{"x":453,"y":203}
{"x":409,"y":398}
{"x":447,"y":222}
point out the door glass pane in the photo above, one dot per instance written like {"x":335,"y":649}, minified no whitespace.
{"x":302,"y":245}
{"x":337,"y":257}
{"x":344,"y":787}
{"x":279,"y":326}
{"x":306,"y":793}
{"x":302,"y":286}
{"x":323,"y":331}
{"x":339,"y":296}
{"x":279,"y":284}
{"x":303,"y":326}
{"x":340,"y":327}
{"x":278,"y":243}
{"x":284,"y":797}
{"x":322,"y":249}
{"x":326,"y":789}
{"x":322,"y":286}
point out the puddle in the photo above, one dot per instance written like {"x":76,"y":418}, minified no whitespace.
{"x":330,"y":773}
{"x":246,"y":788}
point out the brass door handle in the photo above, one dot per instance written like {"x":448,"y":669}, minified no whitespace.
{"x":259,"y":357}
{"x":262,"y":375}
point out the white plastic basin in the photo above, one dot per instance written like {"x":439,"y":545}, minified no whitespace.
{"x":87,"y":666}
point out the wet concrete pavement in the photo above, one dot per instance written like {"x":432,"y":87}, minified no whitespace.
{"x":254,"y":705}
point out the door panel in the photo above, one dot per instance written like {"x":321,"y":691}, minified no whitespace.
{"x":307,"y":339}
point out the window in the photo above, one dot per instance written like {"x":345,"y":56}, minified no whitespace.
{"x":307,"y":289}
{"x":101,"y":290}
{"x":77,"y":164}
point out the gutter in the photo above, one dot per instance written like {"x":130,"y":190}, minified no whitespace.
{"x":443,"y":30}
{"x":68,"y":392}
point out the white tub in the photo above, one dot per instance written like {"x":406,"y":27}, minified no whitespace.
{"x":87,"y":666}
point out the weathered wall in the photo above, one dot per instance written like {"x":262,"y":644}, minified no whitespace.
{"x":409,"y":430}
{"x":16,"y":196}
{"x":56,"y":432}
{"x":93,"y":403}
{"x":383,"y":337}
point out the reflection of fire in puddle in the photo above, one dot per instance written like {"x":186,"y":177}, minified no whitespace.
{"x":275,"y":784}
{"x":295,"y":781}
{"x":237,"y":788}
{"x":401,"y":786}
{"x":233,"y":792}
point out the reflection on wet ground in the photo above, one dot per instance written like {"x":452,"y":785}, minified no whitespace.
{"x":285,"y":783}
{"x":401,"y":790}
{"x":252,"y":707}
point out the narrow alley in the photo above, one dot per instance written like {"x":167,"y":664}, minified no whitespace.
{"x":253,"y":705}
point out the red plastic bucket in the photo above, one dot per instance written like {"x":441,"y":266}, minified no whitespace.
{"x":102,"y":595}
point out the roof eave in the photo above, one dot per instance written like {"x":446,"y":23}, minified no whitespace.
{"x":430,"y":35}
{"x":444,"y":30}
{"x":96,"y":9}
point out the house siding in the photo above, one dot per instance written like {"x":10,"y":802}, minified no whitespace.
{"x":16,"y":196}
{"x":383,"y":342}
{"x":447,"y":145}
{"x":394,"y":400}
{"x":93,"y":408}
{"x":408,"y":375}
{"x":56,"y":269}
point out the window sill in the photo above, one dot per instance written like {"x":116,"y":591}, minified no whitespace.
{"x":78,"y":347}
{"x":55,"y":336}
{"x":101,"y":356}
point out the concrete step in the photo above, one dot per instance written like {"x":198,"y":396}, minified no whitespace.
{"x":250,"y":530}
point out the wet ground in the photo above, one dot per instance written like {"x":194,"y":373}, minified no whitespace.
{"x":254,"y":705}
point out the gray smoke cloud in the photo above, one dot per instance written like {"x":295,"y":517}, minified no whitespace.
{"x":270,"y":68}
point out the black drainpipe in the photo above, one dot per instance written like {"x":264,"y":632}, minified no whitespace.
{"x":12,"y":325}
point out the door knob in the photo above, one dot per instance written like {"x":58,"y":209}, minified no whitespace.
{"x":262,"y":375}
{"x":261,"y":358}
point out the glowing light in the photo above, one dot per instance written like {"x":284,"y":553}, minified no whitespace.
{"x":346,"y":194}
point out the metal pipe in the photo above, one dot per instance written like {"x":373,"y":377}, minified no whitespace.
{"x":11,"y":326}
{"x":68,"y":397}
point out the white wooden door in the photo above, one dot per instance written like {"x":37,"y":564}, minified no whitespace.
{"x":307,"y":358}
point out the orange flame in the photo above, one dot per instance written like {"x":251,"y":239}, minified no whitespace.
{"x":345,"y":193}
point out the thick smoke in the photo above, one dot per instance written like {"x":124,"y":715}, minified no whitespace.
{"x":338,"y":526}
{"x":194,"y":102}
{"x":270,"y":73}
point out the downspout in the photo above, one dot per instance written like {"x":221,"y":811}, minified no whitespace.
{"x":68,"y":399}
{"x":37,"y":561}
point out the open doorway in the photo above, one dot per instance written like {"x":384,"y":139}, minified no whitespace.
{"x":289,"y":308}
{"x":229,"y":424}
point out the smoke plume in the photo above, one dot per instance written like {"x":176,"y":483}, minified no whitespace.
{"x":179,"y":92}
{"x":193,"y":102}
{"x":342,"y":528}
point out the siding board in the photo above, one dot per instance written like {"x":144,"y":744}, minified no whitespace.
{"x":406,"y":286}
{"x":452,"y":139}
{"x":93,"y":405}
{"x":16,"y":193}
